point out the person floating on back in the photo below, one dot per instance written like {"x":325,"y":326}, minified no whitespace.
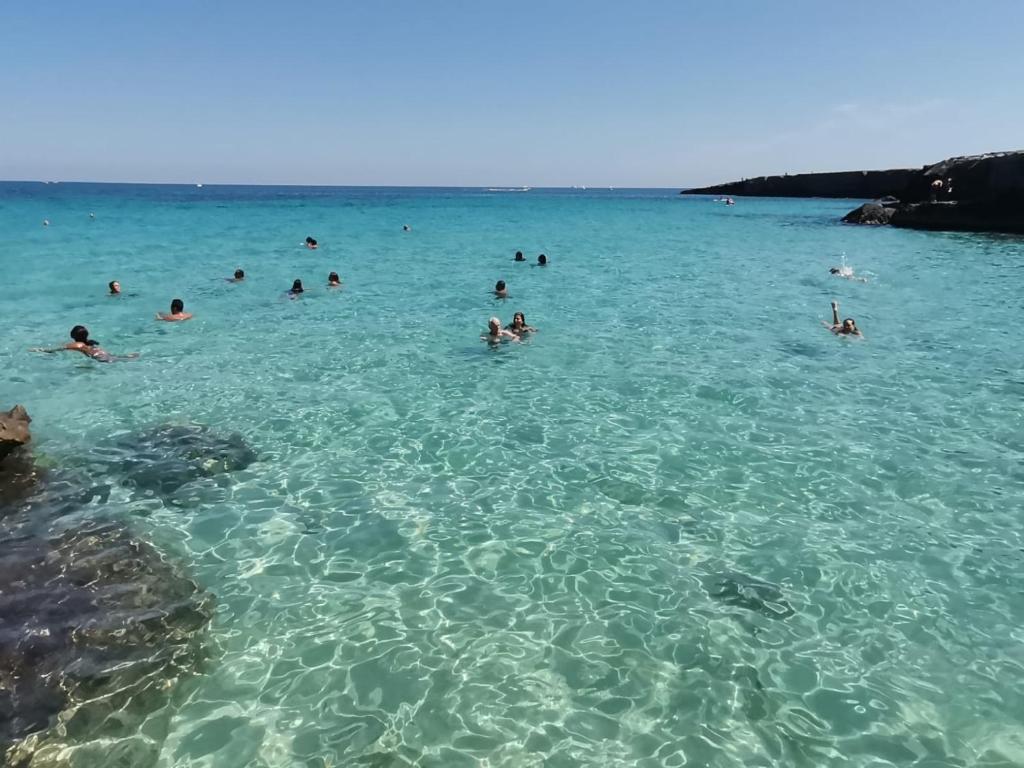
{"x":496,"y":334}
{"x":177,"y":313}
{"x":519,"y":256}
{"x":542,"y":260}
{"x":847,"y":327}
{"x":518,"y":325}
{"x":312,"y":244}
{"x":297,"y":289}
{"x":500,"y":290}
{"x":333,"y":281}
{"x":115,"y":288}
{"x":80,"y":342}
{"x":239,"y":276}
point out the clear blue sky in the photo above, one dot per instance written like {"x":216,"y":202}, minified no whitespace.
{"x":484,"y":93}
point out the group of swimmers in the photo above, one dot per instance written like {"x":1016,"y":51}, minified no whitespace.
{"x":518,"y":328}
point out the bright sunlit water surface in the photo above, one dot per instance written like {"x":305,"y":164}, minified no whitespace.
{"x":684,"y":524}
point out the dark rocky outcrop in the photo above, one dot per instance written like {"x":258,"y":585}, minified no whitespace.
{"x":870,"y":213}
{"x":866,"y":185}
{"x":981,"y":193}
{"x":163,"y":459}
{"x":95,"y":625}
{"x":14,"y":431}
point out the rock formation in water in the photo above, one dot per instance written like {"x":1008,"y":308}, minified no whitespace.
{"x":982,"y":193}
{"x":14,"y":431}
{"x":163,"y":459}
{"x":95,"y":625}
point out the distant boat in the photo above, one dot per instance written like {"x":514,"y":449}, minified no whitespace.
{"x":199,"y":185}
{"x":509,"y":189}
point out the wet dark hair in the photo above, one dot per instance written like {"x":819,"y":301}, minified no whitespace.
{"x":110,"y":285}
{"x":500,"y":285}
{"x":519,"y":256}
{"x":542,"y":259}
{"x":834,"y":270}
{"x":177,"y":305}
{"x":239,"y":274}
{"x":333,"y":278}
{"x":81,"y":334}
{"x":310,"y":241}
{"x":851,"y":321}
{"x":297,"y":286}
{"x":518,"y":314}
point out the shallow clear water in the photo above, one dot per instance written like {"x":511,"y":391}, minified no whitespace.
{"x":683,"y":524}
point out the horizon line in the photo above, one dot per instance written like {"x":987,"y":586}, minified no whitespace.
{"x":582,"y":187}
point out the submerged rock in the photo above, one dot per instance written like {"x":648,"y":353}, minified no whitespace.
{"x":14,"y":431}
{"x":95,"y":625}
{"x":742,"y":591}
{"x":169,"y":456}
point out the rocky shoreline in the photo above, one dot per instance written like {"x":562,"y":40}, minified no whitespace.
{"x":979,"y":193}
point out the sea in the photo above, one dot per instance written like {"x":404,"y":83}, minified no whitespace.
{"x":682,"y":524}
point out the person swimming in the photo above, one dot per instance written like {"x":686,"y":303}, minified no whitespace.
{"x":519,"y":256}
{"x":333,"y":281}
{"x":542,"y":260}
{"x":518,"y":325}
{"x":500,"y":290}
{"x":80,"y":342}
{"x":312,"y":244}
{"x":406,"y":228}
{"x":296,"y":288}
{"x":176,"y":314}
{"x":847,"y":327}
{"x":846,"y":272}
{"x":115,"y":288}
{"x":239,"y":276}
{"x":496,"y":334}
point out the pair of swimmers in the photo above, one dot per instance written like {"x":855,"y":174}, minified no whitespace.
{"x":514,"y":331}
{"x":542,"y":260}
{"x":333,"y":281}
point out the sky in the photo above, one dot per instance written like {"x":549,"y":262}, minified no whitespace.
{"x":493,"y":92}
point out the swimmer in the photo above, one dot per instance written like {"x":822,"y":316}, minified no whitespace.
{"x":333,"y":281}
{"x":542,"y":260}
{"x":176,"y":314}
{"x":500,"y":290}
{"x":46,"y":222}
{"x":115,"y":288}
{"x":89,"y":347}
{"x":847,"y":327}
{"x":519,"y":256}
{"x":312,"y":244}
{"x":297,"y":289}
{"x":496,"y":334}
{"x":847,"y":273}
{"x":92,"y":215}
{"x":518,"y":325}
{"x":406,"y":228}
{"x":239,"y":276}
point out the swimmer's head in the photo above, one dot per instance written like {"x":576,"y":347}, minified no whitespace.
{"x":542,"y":259}
{"x":81,"y":334}
{"x":519,"y":256}
{"x":849,"y":325}
{"x":333,"y":279}
{"x":494,"y":325}
{"x":177,"y":306}
{"x":297,"y":287}
{"x":500,"y":285}
{"x":115,"y":287}
{"x":239,"y":274}
{"x":834,"y":270}
{"x":518,"y":320}
{"x":311,"y":242}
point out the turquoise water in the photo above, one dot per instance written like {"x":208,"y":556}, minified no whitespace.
{"x":682,"y":525}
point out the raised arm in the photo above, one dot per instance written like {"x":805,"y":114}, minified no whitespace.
{"x":835,"y":313}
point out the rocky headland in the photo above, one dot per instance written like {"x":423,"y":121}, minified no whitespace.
{"x":980,"y":193}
